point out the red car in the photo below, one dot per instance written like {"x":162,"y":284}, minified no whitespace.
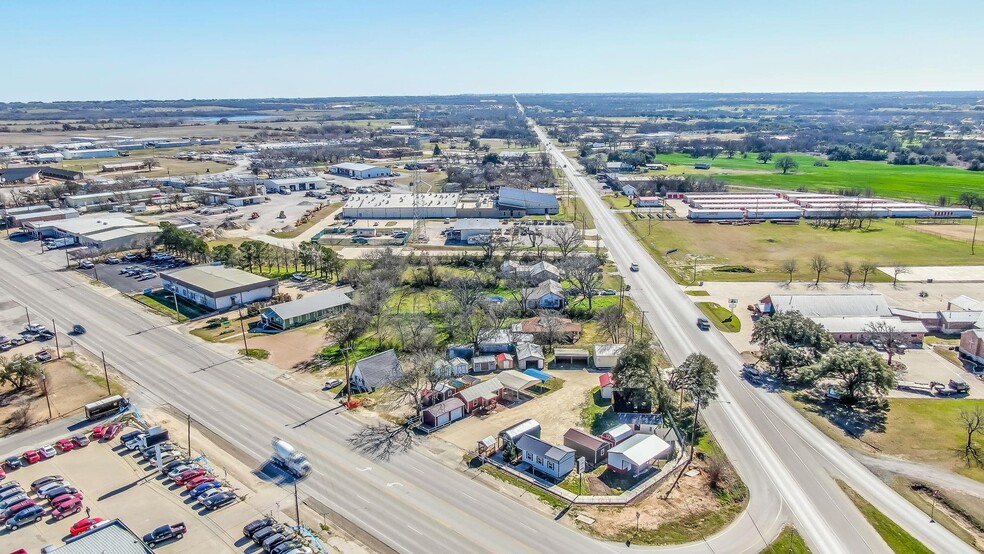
{"x":33,"y":456}
{"x":194,"y":482}
{"x":73,"y":506}
{"x":83,"y":525}
{"x":188,"y":475}
{"x":65,"y":445}
{"x":99,"y":431}
{"x":62,"y":499}
{"x":3,"y":474}
{"x":112,"y":431}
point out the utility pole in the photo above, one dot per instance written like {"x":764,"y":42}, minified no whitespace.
{"x":28,"y":312}
{"x":242,"y":325}
{"x":973,"y":239}
{"x":189,"y":435}
{"x":348,"y":377}
{"x":54,"y":331}
{"x":106,"y":374}
{"x":297,"y":506}
{"x":44,"y":386}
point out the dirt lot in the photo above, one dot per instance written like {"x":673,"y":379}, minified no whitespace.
{"x":958,"y":232}
{"x":557,"y":412}
{"x":72,"y":383}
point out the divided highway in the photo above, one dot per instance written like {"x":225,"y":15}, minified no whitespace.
{"x":783,"y":459}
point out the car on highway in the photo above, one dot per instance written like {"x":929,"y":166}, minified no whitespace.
{"x":67,"y":508}
{"x":86,"y":264}
{"x":65,"y":445}
{"x":80,"y":441}
{"x":634,"y":266}
{"x":188,"y":475}
{"x":83,"y":525}
{"x":165,"y":533}
{"x":219,"y":500}
{"x":194,"y":482}
{"x":703,"y":324}
{"x":47,"y":451}
{"x":14,"y":462}
{"x":32,"y":456}
{"x":24,"y":517}
{"x":203,"y":487}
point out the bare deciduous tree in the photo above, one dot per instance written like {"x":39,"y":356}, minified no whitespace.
{"x":973,"y":424}
{"x":886,"y":333}
{"x":819,"y":264}
{"x":789,"y":268}
{"x":583,"y":273}
{"x":866,"y":268}
{"x":612,"y":322}
{"x":847,"y":268}
{"x":567,"y":238}
{"x":898,"y":268}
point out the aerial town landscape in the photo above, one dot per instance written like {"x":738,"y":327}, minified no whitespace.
{"x":390,"y":317}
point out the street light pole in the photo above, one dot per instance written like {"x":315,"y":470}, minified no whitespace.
{"x":54,"y":331}
{"x":297,"y":506}
{"x":189,"y":435}
{"x":973,"y":239}
{"x":44,"y":386}
{"x":28,"y":312}
{"x":242,"y":325}
{"x":348,"y":377}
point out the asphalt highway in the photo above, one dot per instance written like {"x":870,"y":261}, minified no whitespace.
{"x":783,"y":458}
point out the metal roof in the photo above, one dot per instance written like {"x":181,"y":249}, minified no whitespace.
{"x":296,"y":180}
{"x":110,"y":538}
{"x":476,"y":223}
{"x":216,"y":278}
{"x":608,"y":349}
{"x":309,"y":304}
{"x":18,"y":173}
{"x":520,"y":198}
{"x":861,"y":324}
{"x":641,"y":448}
{"x":529,"y":443}
{"x":584,"y":439}
{"x":354,"y":166}
{"x":482,"y":390}
{"x":529,"y":350}
{"x":832,"y":305}
{"x":517,"y":381}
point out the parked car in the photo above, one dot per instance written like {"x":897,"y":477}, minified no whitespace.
{"x":130,"y":257}
{"x":58,"y":491}
{"x":130,"y":439}
{"x":83,"y":525}
{"x":165,"y":533}
{"x":112,"y":260}
{"x":50,"y":485}
{"x":203,"y":487}
{"x":299,"y":277}
{"x":86,"y":264}
{"x":15,"y":499}
{"x":332,"y":383}
{"x":43,"y":356}
{"x":9,"y":485}
{"x":14,"y":462}
{"x":24,"y":517}
{"x":3,"y":474}
{"x":194,"y":482}
{"x":219,"y":500}
{"x":188,"y":475}
{"x":112,"y":431}
{"x":33,"y":456}
{"x":59,"y":500}
{"x":285,"y":547}
{"x":13,"y":508}
{"x":35,"y":328}
{"x":98,"y":431}
{"x":252,"y":527}
{"x":65,"y":445}
{"x":67,"y":508}
{"x":260,"y":534}
{"x":178,"y":470}
{"x":48,"y":451}
{"x":273,"y":540}
{"x":80,"y":441}
{"x":149,"y":453}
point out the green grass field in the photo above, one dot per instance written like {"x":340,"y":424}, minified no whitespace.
{"x":924,"y":183}
{"x":763,"y":248}
{"x":721,"y":317}
{"x":789,"y":541}
{"x":896,"y":537}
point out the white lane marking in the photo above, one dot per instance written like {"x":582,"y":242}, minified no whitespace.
{"x":410,"y":527}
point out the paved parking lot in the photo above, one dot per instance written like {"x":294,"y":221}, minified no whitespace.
{"x":116,"y":485}
{"x":127,"y":284}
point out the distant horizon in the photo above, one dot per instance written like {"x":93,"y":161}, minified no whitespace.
{"x":478,"y":94}
{"x":181,"y":49}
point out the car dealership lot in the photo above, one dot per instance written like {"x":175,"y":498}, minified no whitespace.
{"x":115,"y":484}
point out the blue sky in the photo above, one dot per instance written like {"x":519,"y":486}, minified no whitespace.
{"x":70,"y":50}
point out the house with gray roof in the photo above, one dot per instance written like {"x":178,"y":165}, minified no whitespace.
{"x":376,"y":371}
{"x":218,"y":287}
{"x":547,"y":295}
{"x":529,"y":355}
{"x":305,"y":310}
{"x":828,"y":305}
{"x":545,"y":458}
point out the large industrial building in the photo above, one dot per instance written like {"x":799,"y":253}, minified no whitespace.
{"x":294,"y":184}
{"x":401,"y":206}
{"x":108,"y":233}
{"x":360,"y":171}
{"x":218,"y":287}
{"x":27,"y":218}
{"x":533,"y":203}
{"x":90,"y":153}
{"x":797,"y":205}
{"x":97,"y":199}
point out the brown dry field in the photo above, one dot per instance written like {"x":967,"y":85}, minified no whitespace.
{"x":69,"y":388}
{"x":957,"y":232}
{"x":230,"y":132}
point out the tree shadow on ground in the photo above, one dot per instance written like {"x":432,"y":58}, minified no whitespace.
{"x":855,"y":420}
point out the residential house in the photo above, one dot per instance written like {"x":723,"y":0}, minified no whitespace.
{"x":484,"y":364}
{"x":443,"y":413}
{"x":536,"y":273}
{"x":594,"y":450}
{"x":530,"y":355}
{"x":375,"y":371}
{"x":559,"y":329}
{"x":481,"y":395}
{"x":637,"y":454}
{"x":548,"y":459}
{"x":972,"y":345}
{"x":505,"y":361}
{"x":607,"y":385}
{"x":304,"y":310}
{"x":618,"y":434}
{"x":547,"y":295}
{"x":607,"y":355}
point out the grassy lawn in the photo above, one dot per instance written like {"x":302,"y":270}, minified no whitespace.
{"x":923,"y":183}
{"x":762,"y":248}
{"x":319,"y":216}
{"x":544,"y":496}
{"x":256,"y":353}
{"x":597,"y":416}
{"x":698,"y":293}
{"x":904,"y":488}
{"x":921,"y":430}
{"x":164,"y":303}
{"x":897,"y":538}
{"x":720,"y":316}
{"x":789,"y":541}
